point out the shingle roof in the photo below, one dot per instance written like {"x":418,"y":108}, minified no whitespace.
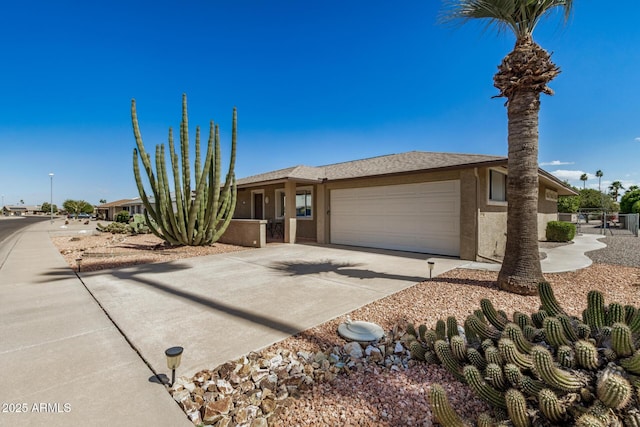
{"x":114,"y":203}
{"x":411,"y":161}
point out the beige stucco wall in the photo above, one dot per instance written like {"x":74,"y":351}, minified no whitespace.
{"x":492,"y":234}
{"x":246,"y":232}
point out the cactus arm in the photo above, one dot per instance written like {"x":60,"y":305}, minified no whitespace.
{"x":550,"y":406}
{"x":184,"y":154}
{"x":621,"y":340}
{"x":553,"y":376}
{"x":613,"y":390}
{"x":492,"y":315}
{"x":489,"y":394}
{"x":517,"y":408}
{"x":448,"y":361}
{"x":632,"y":364}
{"x":181,"y":199}
{"x":548,"y":300}
{"x":442,"y":409}
{"x":510,"y":354}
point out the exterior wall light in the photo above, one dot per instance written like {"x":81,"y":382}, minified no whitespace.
{"x":174,"y":354}
{"x":431,"y":266}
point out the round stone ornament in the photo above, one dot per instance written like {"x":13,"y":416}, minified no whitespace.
{"x":360,"y":331}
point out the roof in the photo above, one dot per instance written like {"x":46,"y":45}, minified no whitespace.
{"x":116,"y":203}
{"x":412,"y":161}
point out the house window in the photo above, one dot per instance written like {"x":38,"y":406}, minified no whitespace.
{"x":497,"y":186}
{"x":304,"y":203}
{"x":280,"y":204}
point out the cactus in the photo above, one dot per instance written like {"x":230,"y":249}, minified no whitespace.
{"x":567,"y":327}
{"x":513,"y":375}
{"x":476,"y":358}
{"x":458,"y":348}
{"x":632,"y":364}
{"x":442,"y":410}
{"x":634,"y":322}
{"x":493,"y":374}
{"x":553,"y":376}
{"x":595,"y":311}
{"x":550,"y":406}
{"x":422,"y":330}
{"x":452,"y":327}
{"x":497,"y":320}
{"x":492,"y":355}
{"x":481,"y":388}
{"x":482,"y":330}
{"x":417,"y":350}
{"x":566,"y":357}
{"x":588,"y":420}
{"x":521,"y":319}
{"x":615,"y":314}
{"x":411,"y":330}
{"x":586,"y":355}
{"x":515,"y":334}
{"x":532,"y":333}
{"x":583,"y":331}
{"x":448,"y":360}
{"x":554,"y":332}
{"x":188,"y":215}
{"x":613,"y":390}
{"x":517,"y":408}
{"x":538,"y":317}
{"x":441,"y":329}
{"x":548,"y":300}
{"x":621,"y":340}
{"x":510,"y":354}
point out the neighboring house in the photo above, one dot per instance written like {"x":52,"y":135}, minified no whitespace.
{"x":19,"y":210}
{"x":108,"y":211}
{"x":438,"y":203}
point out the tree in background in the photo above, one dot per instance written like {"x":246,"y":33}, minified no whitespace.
{"x":77,"y":206}
{"x":614,"y":189}
{"x":584,"y":177}
{"x":46,"y":207}
{"x":632,"y":188}
{"x":102,"y":201}
{"x":599,"y":174}
{"x":593,"y":199}
{"x":523,"y":75}
{"x":630,"y":202}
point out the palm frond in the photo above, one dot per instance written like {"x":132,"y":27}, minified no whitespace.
{"x":520,"y":16}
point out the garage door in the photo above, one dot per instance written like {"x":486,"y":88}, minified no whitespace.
{"x":423,"y":217}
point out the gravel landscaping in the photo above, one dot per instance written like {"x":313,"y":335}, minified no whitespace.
{"x":362,"y":390}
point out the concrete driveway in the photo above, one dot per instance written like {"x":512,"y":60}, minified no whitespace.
{"x":222,"y":306}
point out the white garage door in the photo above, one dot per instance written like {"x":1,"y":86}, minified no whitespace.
{"x":423,"y":217}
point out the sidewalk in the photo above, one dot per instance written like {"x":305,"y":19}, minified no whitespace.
{"x":63,"y":362}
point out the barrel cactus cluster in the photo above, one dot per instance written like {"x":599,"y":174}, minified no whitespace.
{"x":543,"y":369}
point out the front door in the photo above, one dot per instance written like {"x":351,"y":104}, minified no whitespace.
{"x":257,"y":206}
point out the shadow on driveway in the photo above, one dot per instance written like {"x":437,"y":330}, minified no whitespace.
{"x":302,"y":268}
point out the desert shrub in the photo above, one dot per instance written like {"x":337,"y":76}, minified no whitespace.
{"x":122,"y":216}
{"x":139,"y":225}
{"x":114,"y":228}
{"x":559,"y":231}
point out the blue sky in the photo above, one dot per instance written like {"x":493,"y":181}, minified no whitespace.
{"x":315,"y":82}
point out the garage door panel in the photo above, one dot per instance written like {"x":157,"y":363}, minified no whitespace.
{"x":423,"y":217}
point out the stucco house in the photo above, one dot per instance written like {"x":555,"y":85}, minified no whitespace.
{"x":428,"y":202}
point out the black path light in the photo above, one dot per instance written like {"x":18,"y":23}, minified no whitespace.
{"x":79,"y":262}
{"x":174,"y":354}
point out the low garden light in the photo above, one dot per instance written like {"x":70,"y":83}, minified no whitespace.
{"x":174,"y":354}
{"x":79,"y":263}
{"x":431,"y":266}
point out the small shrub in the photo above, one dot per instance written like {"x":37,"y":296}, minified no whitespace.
{"x":139,"y":225}
{"x":558,"y":231}
{"x":122,"y":216}
{"x":114,"y":228}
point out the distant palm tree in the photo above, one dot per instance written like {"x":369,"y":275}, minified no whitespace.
{"x":599,"y":174}
{"x":632,"y":188}
{"x":614,"y":189}
{"x":584,"y":177}
{"x":521,"y":78}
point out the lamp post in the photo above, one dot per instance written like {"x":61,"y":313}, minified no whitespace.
{"x":51,"y":197}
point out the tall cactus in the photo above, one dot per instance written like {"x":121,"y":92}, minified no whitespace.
{"x":189,"y":215}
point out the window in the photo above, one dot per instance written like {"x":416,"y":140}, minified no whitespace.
{"x":280,"y":204}
{"x":497,"y":186}
{"x":303,"y":203}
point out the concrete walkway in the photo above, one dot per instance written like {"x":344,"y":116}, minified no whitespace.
{"x":59,"y":348}
{"x":561,"y":259}
{"x":63,"y":362}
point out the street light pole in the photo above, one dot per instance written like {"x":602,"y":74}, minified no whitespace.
{"x":51,"y":197}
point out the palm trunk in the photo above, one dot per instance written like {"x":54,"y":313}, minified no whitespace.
{"x":521,"y":271}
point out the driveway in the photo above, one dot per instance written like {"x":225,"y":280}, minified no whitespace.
{"x":223,"y":306}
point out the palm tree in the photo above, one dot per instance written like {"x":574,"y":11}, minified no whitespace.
{"x":614,"y":189}
{"x":522,"y":76}
{"x":584,"y":177}
{"x":599,"y":174}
